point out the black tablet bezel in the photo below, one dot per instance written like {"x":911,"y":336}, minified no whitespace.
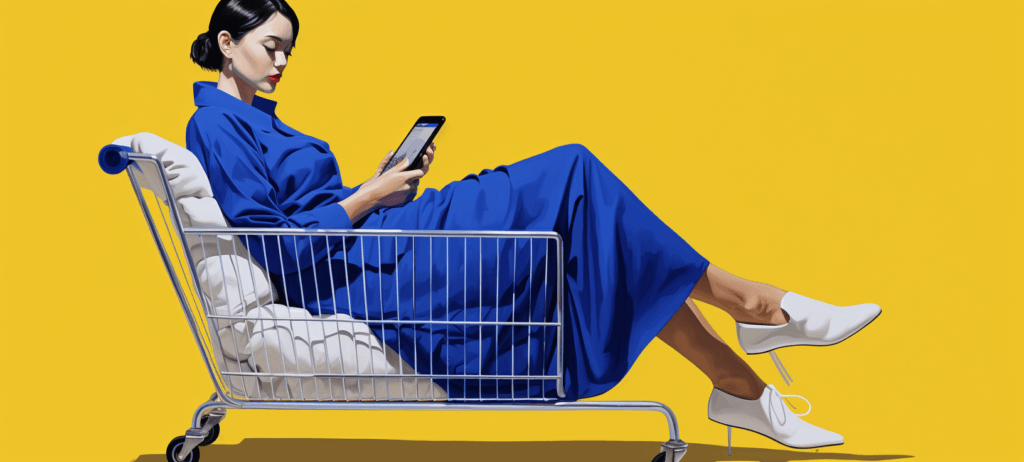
{"x":418,"y":161}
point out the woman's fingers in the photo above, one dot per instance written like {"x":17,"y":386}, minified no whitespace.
{"x":426,"y":164}
{"x":406,"y":176}
{"x":431,"y":150}
{"x":398,"y":168}
{"x":384,"y":163}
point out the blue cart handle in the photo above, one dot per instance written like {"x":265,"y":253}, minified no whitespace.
{"x":114,"y":158}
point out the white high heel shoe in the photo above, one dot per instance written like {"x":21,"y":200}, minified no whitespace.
{"x":811,"y":323}
{"x":770,"y":417}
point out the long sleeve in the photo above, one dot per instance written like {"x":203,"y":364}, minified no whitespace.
{"x":248,"y":193}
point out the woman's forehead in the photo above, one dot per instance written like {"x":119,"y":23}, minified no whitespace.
{"x":277,"y":27}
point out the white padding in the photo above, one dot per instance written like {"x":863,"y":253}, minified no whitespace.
{"x":336,"y":344}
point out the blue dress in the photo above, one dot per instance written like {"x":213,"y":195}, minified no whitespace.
{"x":626,"y":272}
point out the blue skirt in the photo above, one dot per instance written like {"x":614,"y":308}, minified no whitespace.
{"x":626,"y":275}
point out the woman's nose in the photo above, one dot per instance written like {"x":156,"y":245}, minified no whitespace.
{"x":280,"y":59}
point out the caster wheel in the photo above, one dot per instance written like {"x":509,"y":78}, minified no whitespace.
{"x":175,"y":446}
{"x":212,"y":436}
{"x":659,"y":458}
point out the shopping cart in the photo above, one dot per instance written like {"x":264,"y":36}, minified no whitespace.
{"x":263,"y":352}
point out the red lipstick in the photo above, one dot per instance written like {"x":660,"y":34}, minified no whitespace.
{"x":275,"y":78}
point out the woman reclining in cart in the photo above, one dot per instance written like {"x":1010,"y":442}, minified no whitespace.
{"x":628,"y":276}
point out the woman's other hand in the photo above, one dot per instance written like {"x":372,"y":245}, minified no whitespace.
{"x":385,"y":189}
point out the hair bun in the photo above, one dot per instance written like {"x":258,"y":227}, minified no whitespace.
{"x":205,"y":52}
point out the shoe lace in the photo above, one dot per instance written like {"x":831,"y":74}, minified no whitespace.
{"x":782,"y":406}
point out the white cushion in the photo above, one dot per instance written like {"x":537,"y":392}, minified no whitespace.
{"x":198,"y":209}
{"x":234,"y":285}
{"x":335,"y":344}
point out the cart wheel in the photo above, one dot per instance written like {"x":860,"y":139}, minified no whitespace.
{"x":175,"y":446}
{"x":212,"y":436}
{"x":659,"y":458}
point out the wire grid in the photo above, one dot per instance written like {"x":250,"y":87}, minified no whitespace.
{"x":261,"y":345}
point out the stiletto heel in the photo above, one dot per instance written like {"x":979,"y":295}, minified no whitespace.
{"x":729,"y":440}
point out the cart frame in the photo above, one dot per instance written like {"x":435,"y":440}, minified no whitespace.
{"x":204,"y":425}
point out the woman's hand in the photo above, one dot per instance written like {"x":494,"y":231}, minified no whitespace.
{"x":386,"y":189}
{"x":403,"y":192}
{"x":428,"y":159}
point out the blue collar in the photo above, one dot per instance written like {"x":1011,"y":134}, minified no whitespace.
{"x":207,"y":94}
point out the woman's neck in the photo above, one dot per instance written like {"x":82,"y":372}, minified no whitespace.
{"x":232,"y":85}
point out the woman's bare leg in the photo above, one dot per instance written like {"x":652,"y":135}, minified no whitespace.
{"x":690,"y":334}
{"x":746,"y":301}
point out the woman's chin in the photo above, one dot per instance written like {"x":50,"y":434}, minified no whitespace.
{"x":267,"y":87}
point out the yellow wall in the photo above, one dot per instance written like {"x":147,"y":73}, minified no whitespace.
{"x":852,"y":151}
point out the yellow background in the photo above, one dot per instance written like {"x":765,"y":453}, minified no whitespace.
{"x":851,"y":151}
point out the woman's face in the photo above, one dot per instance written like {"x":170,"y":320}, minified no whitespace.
{"x":260,"y":57}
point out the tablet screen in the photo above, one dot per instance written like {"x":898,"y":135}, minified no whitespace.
{"x":413,"y":144}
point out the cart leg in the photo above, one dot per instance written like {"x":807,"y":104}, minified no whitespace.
{"x":674,"y":450}
{"x":212,"y":419}
{"x":204,"y":421}
{"x":211,"y":411}
{"x":207,"y":416}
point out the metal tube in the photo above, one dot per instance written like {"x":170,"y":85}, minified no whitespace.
{"x":259,"y":316}
{"x":390,"y":321}
{"x":430,"y":309}
{"x":465,"y":310}
{"x":415,"y":330}
{"x":366,"y":308}
{"x":284,"y":280}
{"x":561,"y":318}
{"x":302,"y":298}
{"x":319,"y":375}
{"x":398,"y":315}
{"x":170,"y":273}
{"x":497,"y":307}
{"x":546,"y":307}
{"x":259,"y":310}
{"x":447,"y":315}
{"x":241,"y":298}
{"x":337,"y":324}
{"x":512,"y":344}
{"x":371,"y":232}
{"x":319,"y":312}
{"x":529,"y":317}
{"x":193,"y":324}
{"x":480,"y":313}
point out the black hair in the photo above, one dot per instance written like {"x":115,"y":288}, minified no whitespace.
{"x":238,"y":17}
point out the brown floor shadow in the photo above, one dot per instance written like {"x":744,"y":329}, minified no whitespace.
{"x":268,"y":449}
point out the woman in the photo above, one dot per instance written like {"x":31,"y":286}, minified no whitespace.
{"x":629,"y":277}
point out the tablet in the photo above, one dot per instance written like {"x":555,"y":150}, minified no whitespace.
{"x":416,"y":142}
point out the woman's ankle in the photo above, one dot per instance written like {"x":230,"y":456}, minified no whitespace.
{"x":763,"y":306}
{"x":742,"y":388}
